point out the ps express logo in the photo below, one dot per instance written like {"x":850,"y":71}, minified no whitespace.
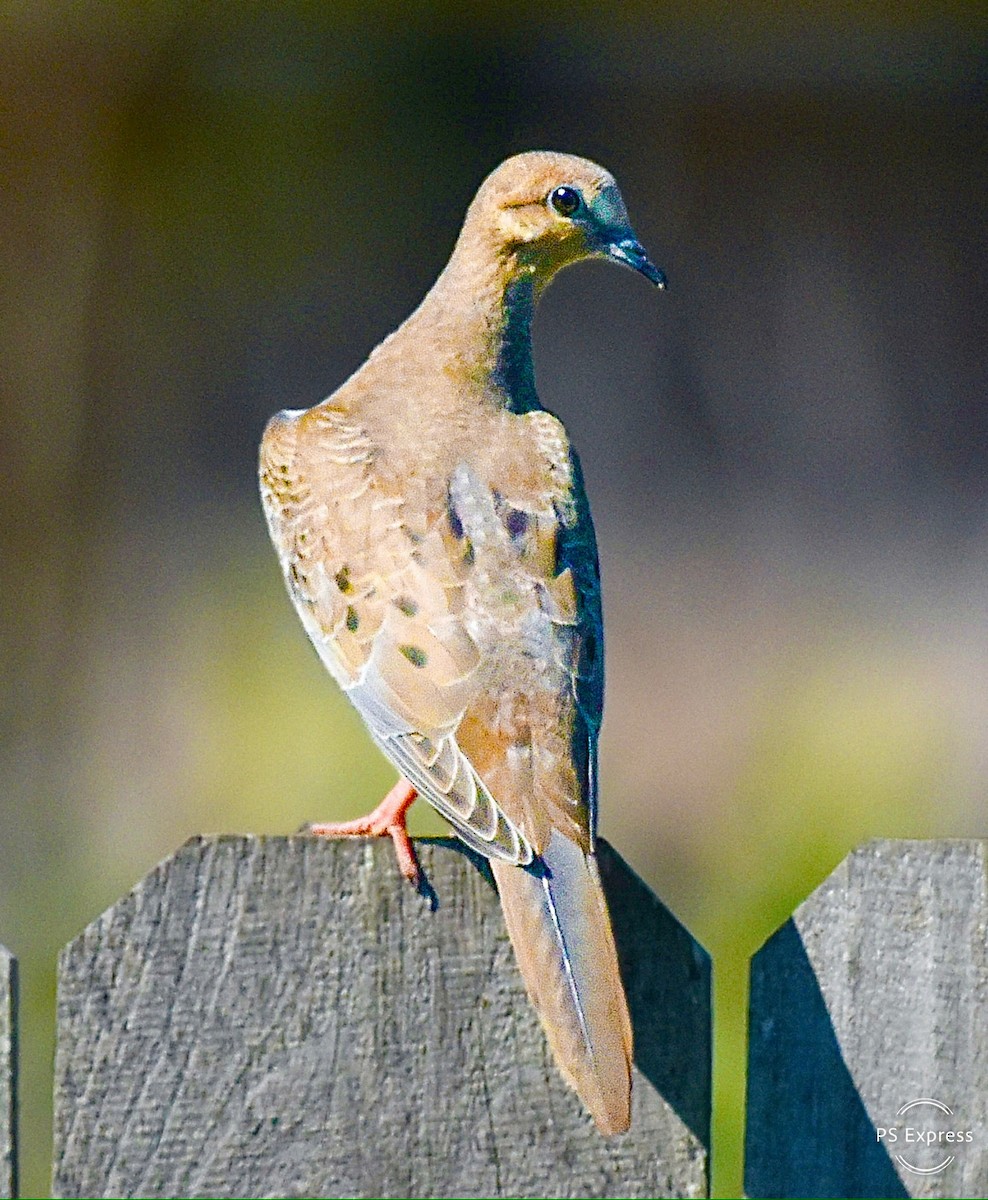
{"x":925,"y":1136}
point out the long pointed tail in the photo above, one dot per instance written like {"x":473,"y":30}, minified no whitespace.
{"x":559,"y":927}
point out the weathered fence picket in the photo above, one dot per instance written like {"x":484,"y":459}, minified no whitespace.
{"x":285,"y":1017}
{"x":869,"y":1013}
{"x":8,"y":1074}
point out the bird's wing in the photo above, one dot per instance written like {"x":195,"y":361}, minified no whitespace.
{"x":377,"y":580}
{"x":532,"y":734}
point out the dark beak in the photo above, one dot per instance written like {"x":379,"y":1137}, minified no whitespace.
{"x":633,"y":254}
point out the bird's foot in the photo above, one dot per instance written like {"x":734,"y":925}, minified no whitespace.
{"x":387,"y":820}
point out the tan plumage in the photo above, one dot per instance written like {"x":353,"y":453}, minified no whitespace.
{"x":436,"y":541}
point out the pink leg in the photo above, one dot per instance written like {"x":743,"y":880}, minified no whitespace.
{"x":388,"y":819}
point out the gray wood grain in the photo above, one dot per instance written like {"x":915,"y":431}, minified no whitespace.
{"x":874,"y":995}
{"x":286,"y":1017}
{"x":8,"y":1074}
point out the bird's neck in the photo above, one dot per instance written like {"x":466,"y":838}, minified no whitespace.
{"x":490,"y":335}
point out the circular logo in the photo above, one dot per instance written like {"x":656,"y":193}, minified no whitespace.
{"x":926,"y":1136}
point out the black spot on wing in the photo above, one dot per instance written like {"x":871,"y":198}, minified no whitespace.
{"x":516,"y":522}
{"x":455,"y":524}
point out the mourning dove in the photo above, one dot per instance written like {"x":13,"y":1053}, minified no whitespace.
{"x":436,"y":540}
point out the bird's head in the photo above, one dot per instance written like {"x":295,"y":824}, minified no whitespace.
{"x":544,"y":210}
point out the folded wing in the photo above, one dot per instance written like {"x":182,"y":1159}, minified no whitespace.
{"x":378,"y":583}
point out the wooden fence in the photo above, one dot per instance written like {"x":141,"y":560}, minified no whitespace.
{"x":280,"y":1017}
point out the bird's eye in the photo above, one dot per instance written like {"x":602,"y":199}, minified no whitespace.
{"x":565,"y":200}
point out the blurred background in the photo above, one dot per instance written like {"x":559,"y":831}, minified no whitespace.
{"x":212,"y":211}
